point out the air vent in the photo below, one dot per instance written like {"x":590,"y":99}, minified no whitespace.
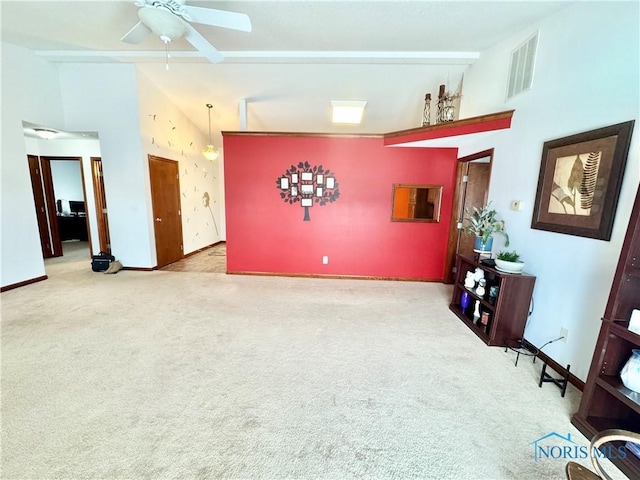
{"x":521,"y":69}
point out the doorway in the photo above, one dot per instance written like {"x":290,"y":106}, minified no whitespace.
{"x":60,"y":199}
{"x":167,"y":215}
{"x":473,"y":175}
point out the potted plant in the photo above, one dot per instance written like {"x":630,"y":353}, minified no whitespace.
{"x":509,"y":262}
{"x":482,"y":223}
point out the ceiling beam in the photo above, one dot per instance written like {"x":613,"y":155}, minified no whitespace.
{"x":427,"y":58}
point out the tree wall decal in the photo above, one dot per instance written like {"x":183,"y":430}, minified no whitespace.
{"x":306,"y":185}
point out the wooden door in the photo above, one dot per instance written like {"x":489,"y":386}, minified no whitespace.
{"x":41,"y":212}
{"x":475,"y":195}
{"x":101,"y":205}
{"x":50,"y":199}
{"x":165,"y":196}
{"x":472,"y":189}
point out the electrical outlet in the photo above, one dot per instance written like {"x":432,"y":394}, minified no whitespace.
{"x":325,"y":260}
{"x":564,"y":333}
{"x":516,"y":205}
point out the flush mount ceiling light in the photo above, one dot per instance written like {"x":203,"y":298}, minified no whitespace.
{"x":347,"y":111}
{"x":45,"y":133}
{"x":210,"y":152}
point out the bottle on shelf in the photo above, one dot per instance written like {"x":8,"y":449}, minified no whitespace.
{"x":476,"y":312}
{"x":465,"y":300}
{"x":482,"y":286}
{"x":493,"y":294}
{"x":485,"y":321}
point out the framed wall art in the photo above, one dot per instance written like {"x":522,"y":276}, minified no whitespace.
{"x":579,"y":182}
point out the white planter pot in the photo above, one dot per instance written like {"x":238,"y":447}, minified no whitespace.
{"x":509,"y":267}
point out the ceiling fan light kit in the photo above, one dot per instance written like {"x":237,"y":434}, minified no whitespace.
{"x":171,"y":19}
{"x":163,"y":23}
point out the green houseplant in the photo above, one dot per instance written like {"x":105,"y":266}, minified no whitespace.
{"x":483,"y":223}
{"x":509,"y":262}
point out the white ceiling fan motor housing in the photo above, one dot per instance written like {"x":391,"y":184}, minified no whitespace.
{"x":162,"y":22}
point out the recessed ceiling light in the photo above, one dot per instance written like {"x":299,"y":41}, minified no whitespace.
{"x":347,"y":111}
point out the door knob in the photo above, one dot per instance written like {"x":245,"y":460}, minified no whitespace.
{"x":158,"y":219}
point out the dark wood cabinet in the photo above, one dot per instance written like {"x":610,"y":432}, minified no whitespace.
{"x":606,"y":403}
{"x":505,"y":315}
{"x":73,"y":228}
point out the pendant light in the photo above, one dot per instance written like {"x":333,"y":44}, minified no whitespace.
{"x":210,"y":153}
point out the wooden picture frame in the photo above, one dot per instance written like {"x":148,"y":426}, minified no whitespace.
{"x":579,"y":182}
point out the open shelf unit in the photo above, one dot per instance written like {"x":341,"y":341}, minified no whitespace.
{"x":606,"y":403}
{"x":507,"y":315}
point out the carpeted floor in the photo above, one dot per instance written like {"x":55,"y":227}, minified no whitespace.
{"x":198,"y":375}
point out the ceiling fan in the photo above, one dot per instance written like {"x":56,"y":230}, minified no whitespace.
{"x":170,"y":19}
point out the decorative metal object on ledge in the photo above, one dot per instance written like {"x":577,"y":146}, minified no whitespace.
{"x":446,"y":110}
{"x":426,"y":112}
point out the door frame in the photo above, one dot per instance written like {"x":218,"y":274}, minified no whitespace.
{"x":457,"y":210}
{"x":35,"y":171}
{"x":100,"y":198}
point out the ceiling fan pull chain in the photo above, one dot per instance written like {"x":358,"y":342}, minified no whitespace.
{"x":166,"y":49}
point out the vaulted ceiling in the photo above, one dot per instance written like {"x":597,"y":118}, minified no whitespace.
{"x":299,"y":56}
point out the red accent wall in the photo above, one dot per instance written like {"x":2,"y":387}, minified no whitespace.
{"x":265,"y":234}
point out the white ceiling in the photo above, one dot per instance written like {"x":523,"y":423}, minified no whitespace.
{"x":299,"y":56}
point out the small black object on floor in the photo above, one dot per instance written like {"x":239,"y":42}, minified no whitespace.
{"x":522,"y":347}
{"x":101,"y":262}
{"x":561,"y":383}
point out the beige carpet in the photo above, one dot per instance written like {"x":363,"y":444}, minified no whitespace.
{"x":196,"y":375}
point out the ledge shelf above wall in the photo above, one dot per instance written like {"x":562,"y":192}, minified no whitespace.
{"x":448,"y":134}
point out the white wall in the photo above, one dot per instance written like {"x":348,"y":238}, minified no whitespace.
{"x":67,"y":181}
{"x":31,"y":92}
{"x":167,"y":132}
{"x":74,"y":148}
{"x":586,"y":77}
{"x":103,"y":98}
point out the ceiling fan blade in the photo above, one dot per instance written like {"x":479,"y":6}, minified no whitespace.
{"x":219,"y":18}
{"x":202,"y":45}
{"x":136,"y":34}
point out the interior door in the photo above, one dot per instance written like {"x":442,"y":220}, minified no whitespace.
{"x":101,"y":205}
{"x":472,"y":189}
{"x":476,"y":189}
{"x":50,"y":199}
{"x":165,"y":196}
{"x":41,"y":213}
